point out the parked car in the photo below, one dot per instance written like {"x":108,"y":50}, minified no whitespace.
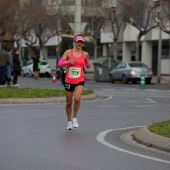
{"x":131,"y":71}
{"x":28,"y":69}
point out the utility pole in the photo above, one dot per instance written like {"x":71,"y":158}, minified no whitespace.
{"x":77,"y":26}
{"x":160,"y":45}
{"x":20,"y":41}
{"x":77,"y":17}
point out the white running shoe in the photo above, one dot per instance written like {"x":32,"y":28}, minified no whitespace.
{"x":75,"y":124}
{"x":16,"y":85}
{"x":69,"y":125}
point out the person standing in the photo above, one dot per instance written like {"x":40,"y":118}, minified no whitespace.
{"x":16,"y":66}
{"x":35,"y":60}
{"x":39,"y":65}
{"x":9,"y":67}
{"x":75,"y":59}
{"x":4,"y":62}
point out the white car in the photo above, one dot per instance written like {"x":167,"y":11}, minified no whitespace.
{"x":28,"y":69}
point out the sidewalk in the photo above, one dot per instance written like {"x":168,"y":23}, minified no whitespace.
{"x":164,"y":79}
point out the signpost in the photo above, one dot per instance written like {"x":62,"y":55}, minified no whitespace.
{"x":77,"y":26}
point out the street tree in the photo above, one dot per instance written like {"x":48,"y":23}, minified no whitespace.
{"x":8,"y":17}
{"x":164,"y":18}
{"x":139,"y":14}
{"x":38,"y":26}
{"x":115,"y":19}
{"x":94,"y":16}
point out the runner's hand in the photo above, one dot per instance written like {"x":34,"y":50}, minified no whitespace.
{"x":72,"y":61}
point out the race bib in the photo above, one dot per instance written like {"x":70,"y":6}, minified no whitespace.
{"x":74,"y":72}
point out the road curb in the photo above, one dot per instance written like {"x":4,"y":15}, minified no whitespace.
{"x":144,"y":136}
{"x":43,"y":100}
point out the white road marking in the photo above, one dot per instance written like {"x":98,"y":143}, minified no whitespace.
{"x":97,"y":100}
{"x":109,"y":106}
{"x":151,"y":101}
{"x":144,"y":105}
{"x":101,"y":139}
{"x":25,"y":116}
{"x":134,"y":92}
{"x":56,"y":103}
{"x":145,"y":100}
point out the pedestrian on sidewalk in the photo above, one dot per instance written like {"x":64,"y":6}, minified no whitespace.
{"x":75,"y":59}
{"x":4,"y":62}
{"x":16,"y":66}
{"x":9,"y":67}
{"x":35,"y":60}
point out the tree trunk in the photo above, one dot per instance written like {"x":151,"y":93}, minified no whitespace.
{"x":115,"y":49}
{"x":29,"y":52}
{"x":137,"y":58}
{"x":43,"y":54}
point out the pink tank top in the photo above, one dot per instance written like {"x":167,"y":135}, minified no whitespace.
{"x":75,"y":73}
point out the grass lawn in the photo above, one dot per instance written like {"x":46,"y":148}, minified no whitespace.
{"x":13,"y":92}
{"x":161,"y":128}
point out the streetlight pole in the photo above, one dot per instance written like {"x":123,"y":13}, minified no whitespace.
{"x":159,"y":45}
{"x":77,"y":17}
{"x":20,"y":41}
{"x":77,"y":26}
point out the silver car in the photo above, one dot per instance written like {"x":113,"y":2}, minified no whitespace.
{"x":131,"y":71}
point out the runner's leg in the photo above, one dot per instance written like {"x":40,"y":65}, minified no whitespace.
{"x":69,"y":96}
{"x":77,"y":96}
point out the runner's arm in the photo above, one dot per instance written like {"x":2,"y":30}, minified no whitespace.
{"x":87,"y":61}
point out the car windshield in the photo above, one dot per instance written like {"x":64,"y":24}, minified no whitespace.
{"x":137,"y":65}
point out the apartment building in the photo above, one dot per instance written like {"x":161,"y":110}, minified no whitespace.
{"x":149,"y":48}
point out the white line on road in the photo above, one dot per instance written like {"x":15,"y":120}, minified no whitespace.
{"x":26,"y":116}
{"x":151,"y":101}
{"x":110,"y":106}
{"x":143,"y":105}
{"x":101,"y":139}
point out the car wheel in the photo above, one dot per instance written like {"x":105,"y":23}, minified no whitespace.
{"x":22,"y":73}
{"x":125,"y":81}
{"x":111,"y":79}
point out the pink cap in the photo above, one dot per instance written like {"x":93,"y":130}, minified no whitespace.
{"x":79,"y":38}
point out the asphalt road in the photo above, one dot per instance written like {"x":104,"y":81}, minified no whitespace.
{"x":34,"y":137}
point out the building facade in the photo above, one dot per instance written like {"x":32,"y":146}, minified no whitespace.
{"x":149,"y":48}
